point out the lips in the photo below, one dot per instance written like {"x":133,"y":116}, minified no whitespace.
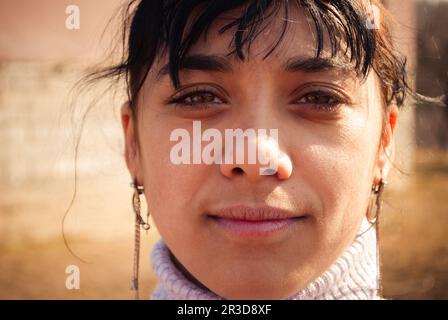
{"x":252,"y":213}
{"x":250,"y":221}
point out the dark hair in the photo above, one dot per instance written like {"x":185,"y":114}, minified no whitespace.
{"x":154,"y":26}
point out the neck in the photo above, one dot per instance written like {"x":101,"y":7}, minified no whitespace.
{"x":354,"y":275}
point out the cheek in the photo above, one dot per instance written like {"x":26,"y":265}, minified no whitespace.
{"x":337,"y":163}
{"x":170,"y":188}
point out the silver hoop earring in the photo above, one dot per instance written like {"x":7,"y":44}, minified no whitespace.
{"x":139,"y":223}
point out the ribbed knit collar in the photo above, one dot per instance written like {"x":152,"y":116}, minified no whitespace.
{"x":353,"y":276}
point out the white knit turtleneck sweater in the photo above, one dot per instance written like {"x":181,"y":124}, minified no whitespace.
{"x":353,"y":276}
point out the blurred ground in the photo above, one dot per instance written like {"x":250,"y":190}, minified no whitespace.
{"x":414,"y":242}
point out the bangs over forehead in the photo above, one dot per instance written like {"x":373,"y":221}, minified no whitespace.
{"x":342,"y":22}
{"x":153,"y":27}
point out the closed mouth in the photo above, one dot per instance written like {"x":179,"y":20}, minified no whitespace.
{"x":254,"y":221}
{"x":253,"y":213}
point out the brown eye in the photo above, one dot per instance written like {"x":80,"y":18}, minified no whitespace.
{"x":197,"y":98}
{"x":200,"y":98}
{"x":319,"y":98}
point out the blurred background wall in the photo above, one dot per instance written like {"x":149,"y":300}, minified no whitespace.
{"x":432,"y":75}
{"x":40,"y":61}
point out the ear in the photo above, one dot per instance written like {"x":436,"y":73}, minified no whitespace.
{"x":386,"y":154}
{"x":131,"y":152}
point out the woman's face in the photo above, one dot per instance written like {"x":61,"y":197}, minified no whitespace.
{"x":329,"y":135}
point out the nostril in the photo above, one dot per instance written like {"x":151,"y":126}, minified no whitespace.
{"x":237,"y":170}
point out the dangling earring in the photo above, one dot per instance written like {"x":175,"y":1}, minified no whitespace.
{"x":139,"y":223}
{"x":377,"y":190}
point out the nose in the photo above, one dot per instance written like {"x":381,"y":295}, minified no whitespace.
{"x":268,"y":161}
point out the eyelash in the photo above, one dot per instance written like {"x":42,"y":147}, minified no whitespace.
{"x":180,"y":100}
{"x":336,"y":101}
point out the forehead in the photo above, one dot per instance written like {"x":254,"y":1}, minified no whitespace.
{"x":296,"y":26}
{"x":283,"y":35}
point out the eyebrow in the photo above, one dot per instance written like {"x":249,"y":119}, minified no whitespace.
{"x":201,"y":62}
{"x":217,"y":63}
{"x":317,"y":64}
